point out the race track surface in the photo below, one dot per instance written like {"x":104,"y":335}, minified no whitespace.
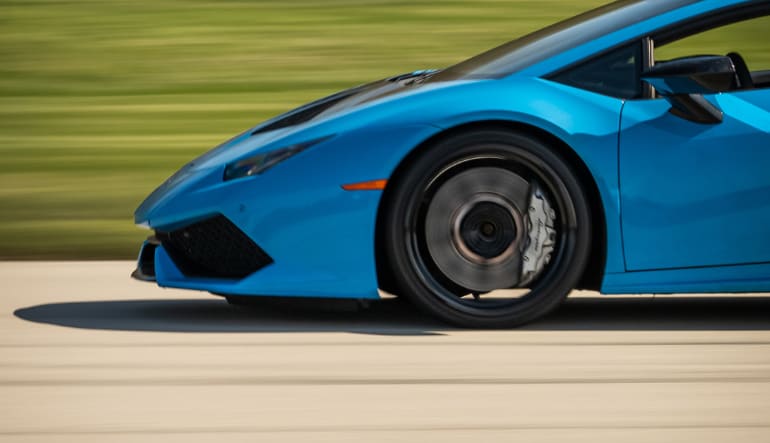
{"x":88,"y":355}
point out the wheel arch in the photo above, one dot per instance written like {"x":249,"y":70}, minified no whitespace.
{"x":594,"y":272}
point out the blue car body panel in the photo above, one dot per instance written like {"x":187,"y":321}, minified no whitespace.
{"x":696,"y":195}
{"x":321,"y":238}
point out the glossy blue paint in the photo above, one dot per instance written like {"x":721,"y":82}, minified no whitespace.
{"x":321,"y":238}
{"x":696,"y":194}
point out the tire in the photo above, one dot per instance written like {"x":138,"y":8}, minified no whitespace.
{"x":483,"y":211}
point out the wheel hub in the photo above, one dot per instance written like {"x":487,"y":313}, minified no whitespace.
{"x":485,"y":229}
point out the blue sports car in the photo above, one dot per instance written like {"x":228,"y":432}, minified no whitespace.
{"x":573,"y":157}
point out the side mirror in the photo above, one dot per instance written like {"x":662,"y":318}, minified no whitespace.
{"x":702,"y":74}
{"x":683,"y":80}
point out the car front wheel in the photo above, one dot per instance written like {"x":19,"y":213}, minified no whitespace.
{"x":487,"y":229}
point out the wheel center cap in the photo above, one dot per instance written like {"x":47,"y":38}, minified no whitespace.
{"x":485,"y":229}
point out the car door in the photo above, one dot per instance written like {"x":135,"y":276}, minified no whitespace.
{"x":697,"y":194}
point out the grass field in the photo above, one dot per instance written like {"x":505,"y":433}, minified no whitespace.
{"x":101,"y":100}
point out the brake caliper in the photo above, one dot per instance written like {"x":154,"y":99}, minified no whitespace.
{"x":541,"y":237}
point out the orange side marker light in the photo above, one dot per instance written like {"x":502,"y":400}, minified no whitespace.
{"x":371,"y":185}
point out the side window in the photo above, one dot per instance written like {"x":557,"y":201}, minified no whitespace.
{"x":746,"y":43}
{"x":616,"y":74}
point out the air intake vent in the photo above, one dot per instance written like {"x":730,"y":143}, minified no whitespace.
{"x":307,"y":112}
{"x":215,"y":248}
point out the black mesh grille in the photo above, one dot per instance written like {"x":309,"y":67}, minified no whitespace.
{"x":214,"y":247}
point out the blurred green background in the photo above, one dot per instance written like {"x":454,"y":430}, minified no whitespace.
{"x":102,"y":100}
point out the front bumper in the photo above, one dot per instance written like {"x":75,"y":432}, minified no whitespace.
{"x":297,"y":232}
{"x":315,"y":251}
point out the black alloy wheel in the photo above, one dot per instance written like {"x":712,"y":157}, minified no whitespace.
{"x":486,"y":229}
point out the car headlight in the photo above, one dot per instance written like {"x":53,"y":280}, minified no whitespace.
{"x":266,"y":160}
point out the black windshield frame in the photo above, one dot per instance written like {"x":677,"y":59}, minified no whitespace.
{"x":557,"y":38}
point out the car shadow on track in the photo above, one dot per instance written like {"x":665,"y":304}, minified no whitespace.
{"x":395,"y":317}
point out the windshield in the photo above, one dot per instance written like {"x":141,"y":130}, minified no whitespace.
{"x":557,"y":38}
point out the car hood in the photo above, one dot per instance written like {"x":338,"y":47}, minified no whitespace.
{"x":347,"y":100}
{"x":281,"y":126}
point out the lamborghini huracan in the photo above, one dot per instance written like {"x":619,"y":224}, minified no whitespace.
{"x":574,"y":157}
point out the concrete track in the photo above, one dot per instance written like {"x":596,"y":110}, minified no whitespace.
{"x":88,"y":355}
